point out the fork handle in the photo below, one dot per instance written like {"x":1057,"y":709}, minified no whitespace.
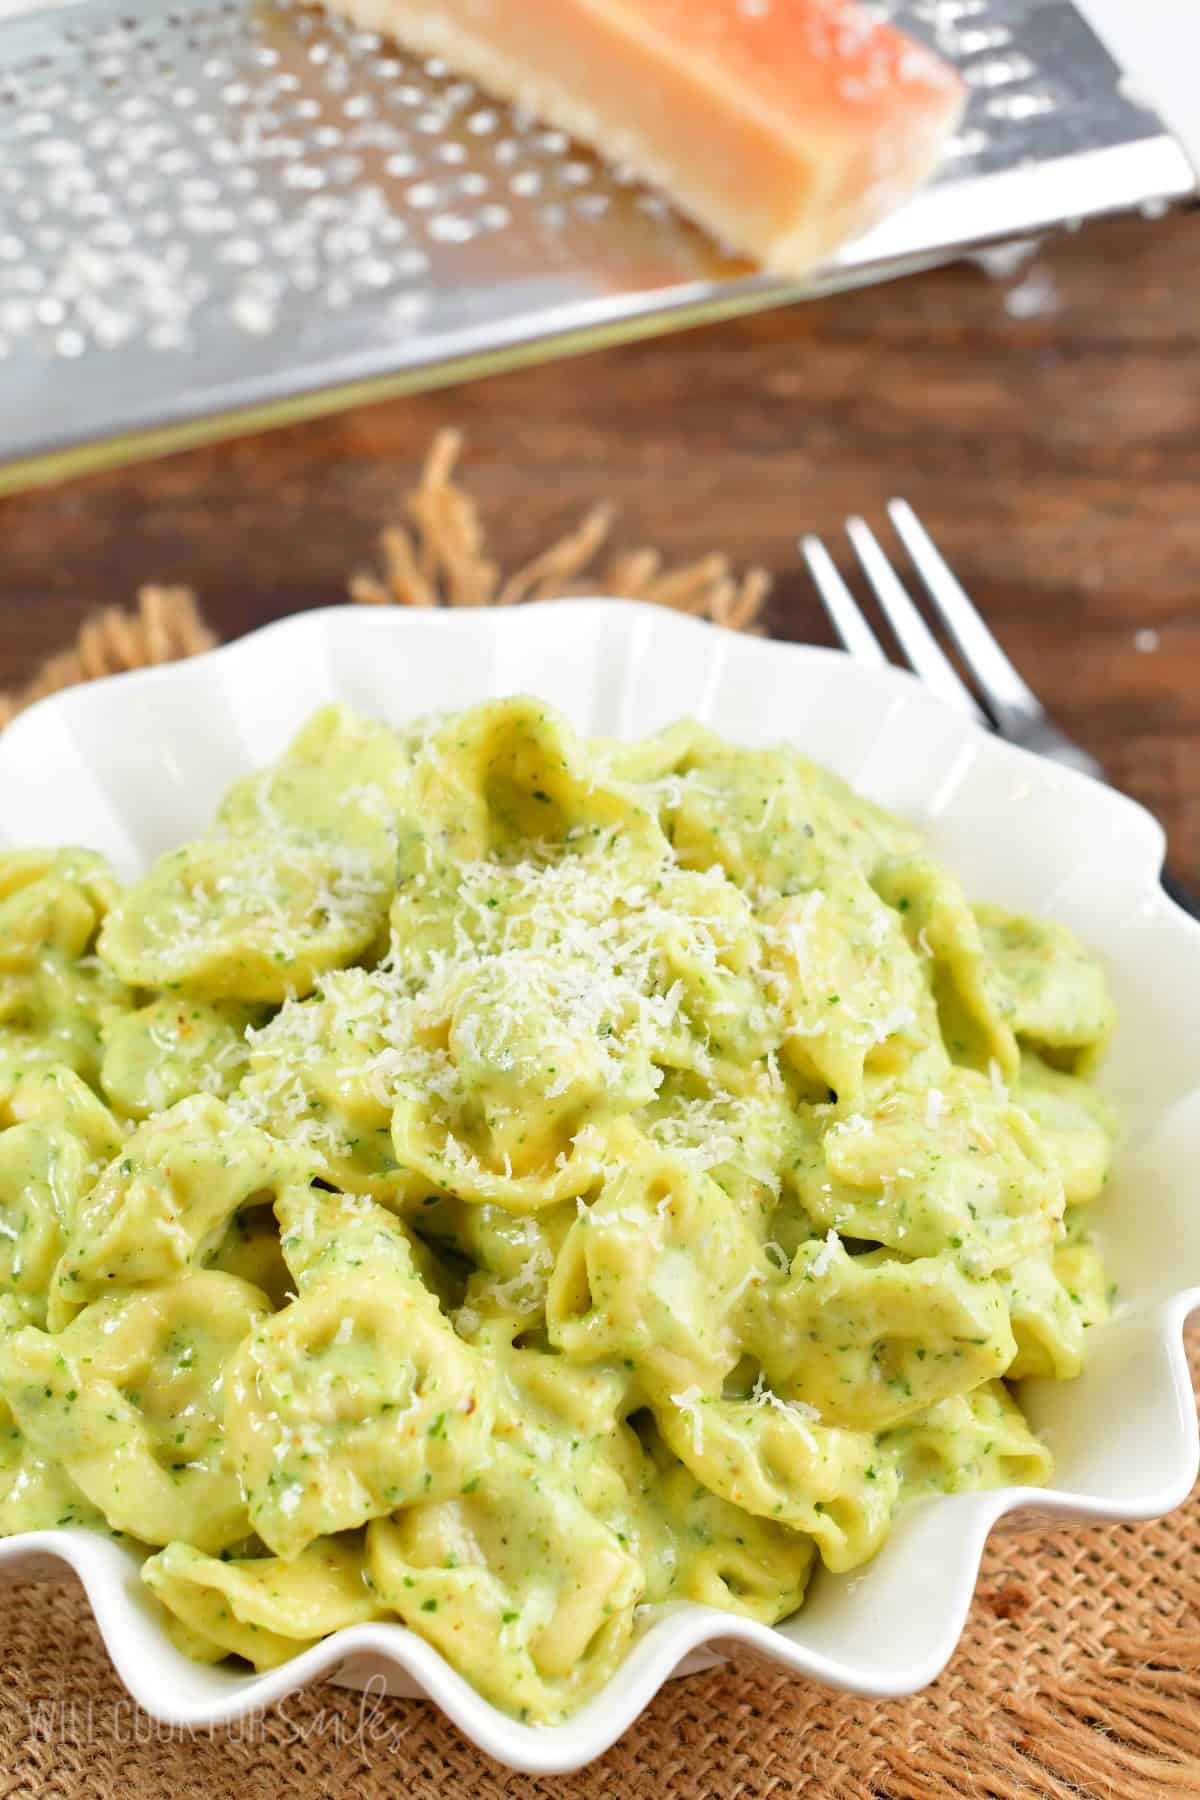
{"x":1181,"y":895}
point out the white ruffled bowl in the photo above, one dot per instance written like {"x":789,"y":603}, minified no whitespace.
{"x":136,"y":764}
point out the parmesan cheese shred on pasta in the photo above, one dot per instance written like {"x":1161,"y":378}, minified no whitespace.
{"x":505,"y":1183}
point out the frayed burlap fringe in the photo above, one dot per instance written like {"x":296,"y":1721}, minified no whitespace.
{"x":1078,"y":1677}
{"x":436,"y":556}
{"x":164,"y":627}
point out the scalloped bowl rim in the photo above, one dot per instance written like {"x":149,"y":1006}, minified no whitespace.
{"x":60,"y":741}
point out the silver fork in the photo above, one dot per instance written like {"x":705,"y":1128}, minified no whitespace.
{"x":1010,"y":707}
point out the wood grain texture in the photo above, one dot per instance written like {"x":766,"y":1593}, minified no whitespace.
{"x":1055,"y":456}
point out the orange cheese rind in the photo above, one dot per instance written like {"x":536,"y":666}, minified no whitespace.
{"x":785,"y":127}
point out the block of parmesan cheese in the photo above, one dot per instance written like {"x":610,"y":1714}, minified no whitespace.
{"x":785,"y":127}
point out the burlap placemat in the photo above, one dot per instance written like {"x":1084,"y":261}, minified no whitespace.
{"x":1078,"y":1676}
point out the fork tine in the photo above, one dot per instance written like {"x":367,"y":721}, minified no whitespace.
{"x":844,"y":612}
{"x":1002,"y":687}
{"x":922,"y":649}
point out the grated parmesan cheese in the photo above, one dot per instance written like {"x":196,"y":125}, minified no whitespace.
{"x":824,"y":1258}
{"x":689,"y":1403}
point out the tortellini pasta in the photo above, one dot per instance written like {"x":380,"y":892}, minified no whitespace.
{"x":293,"y":880}
{"x":955,"y":1166}
{"x":866,"y":1340}
{"x":357,"y":1398}
{"x":170,"y":1049}
{"x":129,"y":1400}
{"x":56,"y":994}
{"x":55,"y":1138}
{"x":650,"y":1272}
{"x":517,"y":1582}
{"x":162,"y":1206}
{"x":504,"y":1184}
{"x":972,"y":1440}
{"x":261,"y":1608}
{"x":776,"y":1460}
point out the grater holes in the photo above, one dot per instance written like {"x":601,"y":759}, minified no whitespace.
{"x":998,"y":71}
{"x":971,"y":40}
{"x":1018,"y":108}
{"x":424,"y":195}
{"x":941,"y":14}
{"x":452,"y":228}
{"x":250,"y":162}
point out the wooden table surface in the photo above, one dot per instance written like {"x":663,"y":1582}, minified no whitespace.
{"x":1047,"y":428}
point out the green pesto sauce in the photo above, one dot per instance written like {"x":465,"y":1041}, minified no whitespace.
{"x":506,"y":1183}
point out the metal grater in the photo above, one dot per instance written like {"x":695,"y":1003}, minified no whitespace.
{"x":217,"y":214}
